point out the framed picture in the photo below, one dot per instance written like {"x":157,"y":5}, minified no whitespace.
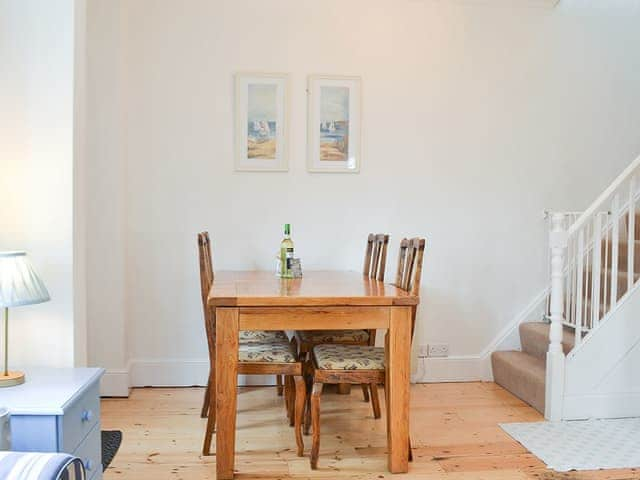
{"x":334,"y":124}
{"x":261,"y":130}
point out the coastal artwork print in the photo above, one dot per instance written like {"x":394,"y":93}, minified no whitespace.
{"x":262,"y":108}
{"x":333,"y":124}
{"x":261,"y":122}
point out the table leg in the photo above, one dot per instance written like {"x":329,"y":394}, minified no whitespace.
{"x":397,"y":384}
{"x":226,"y":388}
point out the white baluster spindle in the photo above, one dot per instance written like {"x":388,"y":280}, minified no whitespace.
{"x":631,"y":234}
{"x":567,"y":284}
{"x":596,"y":271}
{"x":579,"y":287}
{"x":615,"y":240}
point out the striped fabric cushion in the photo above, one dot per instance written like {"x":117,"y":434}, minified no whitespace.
{"x":40,"y":466}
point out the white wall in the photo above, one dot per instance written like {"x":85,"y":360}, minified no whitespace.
{"x":477,"y":116}
{"x":79,"y":184}
{"x":106,"y":191}
{"x":36,"y":169}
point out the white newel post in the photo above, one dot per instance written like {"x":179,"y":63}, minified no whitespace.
{"x":555,"y":356}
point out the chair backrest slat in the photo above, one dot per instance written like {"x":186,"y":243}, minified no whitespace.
{"x":206,"y":280}
{"x":366,"y":270}
{"x":375,"y":257}
{"x":409,"y":272}
{"x":402,"y":257}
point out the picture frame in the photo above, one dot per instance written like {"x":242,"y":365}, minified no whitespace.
{"x":261,"y":122}
{"x":334,"y":124}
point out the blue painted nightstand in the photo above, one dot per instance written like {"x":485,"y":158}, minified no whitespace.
{"x":58,"y":410}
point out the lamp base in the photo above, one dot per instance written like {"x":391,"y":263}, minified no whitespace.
{"x":11,"y":380}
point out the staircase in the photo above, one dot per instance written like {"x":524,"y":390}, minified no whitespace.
{"x":595,"y":264}
{"x":523,"y":372}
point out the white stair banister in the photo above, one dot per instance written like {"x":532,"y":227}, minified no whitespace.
{"x":615,"y":240}
{"x":631,"y":233}
{"x":596,"y":270}
{"x":579,"y":317}
{"x":555,"y":356}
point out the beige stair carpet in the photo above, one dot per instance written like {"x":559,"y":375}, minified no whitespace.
{"x":523,"y":372}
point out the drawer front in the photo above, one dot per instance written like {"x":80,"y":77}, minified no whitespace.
{"x":34,"y":433}
{"x":90,"y":453}
{"x":80,"y":418}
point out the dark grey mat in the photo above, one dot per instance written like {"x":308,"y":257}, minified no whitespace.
{"x":111,"y":440}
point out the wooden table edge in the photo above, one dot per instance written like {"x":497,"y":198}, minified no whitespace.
{"x":215,"y":302}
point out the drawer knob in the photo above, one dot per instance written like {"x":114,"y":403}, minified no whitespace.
{"x":87,"y":415}
{"x":88,"y":464}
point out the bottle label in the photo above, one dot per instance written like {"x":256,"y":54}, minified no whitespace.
{"x":289,"y":258}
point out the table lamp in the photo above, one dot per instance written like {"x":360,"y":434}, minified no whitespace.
{"x":19,"y":285}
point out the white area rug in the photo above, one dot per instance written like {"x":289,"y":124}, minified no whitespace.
{"x":581,"y":445}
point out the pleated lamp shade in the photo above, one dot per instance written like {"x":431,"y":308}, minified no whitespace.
{"x":19,"y":282}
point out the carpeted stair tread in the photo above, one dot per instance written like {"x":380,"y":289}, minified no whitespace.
{"x":604,"y":309}
{"x":521,"y":374}
{"x":605,"y":281}
{"x":623,"y":251}
{"x":636,"y":224}
{"x":534,"y":338}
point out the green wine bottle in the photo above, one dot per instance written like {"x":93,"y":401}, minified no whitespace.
{"x":286,"y":253}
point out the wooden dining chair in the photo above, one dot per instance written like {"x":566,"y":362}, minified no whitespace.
{"x":375,"y":259}
{"x":259,"y":353}
{"x":357,"y":364}
{"x":206,"y":272}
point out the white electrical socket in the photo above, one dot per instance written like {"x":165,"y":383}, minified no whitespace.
{"x":437,"y":350}
{"x":423,"y":351}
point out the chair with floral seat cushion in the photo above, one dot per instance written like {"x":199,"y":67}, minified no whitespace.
{"x":375,"y":260}
{"x":206,"y":271}
{"x":259,"y":353}
{"x":358,"y":364}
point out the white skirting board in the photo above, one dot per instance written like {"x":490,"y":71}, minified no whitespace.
{"x":115,"y":383}
{"x":188,"y":373}
{"x":469,"y":368}
{"x":182,"y":373}
{"x":165,"y":373}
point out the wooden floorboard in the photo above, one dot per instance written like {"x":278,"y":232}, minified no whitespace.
{"x":454,"y":427}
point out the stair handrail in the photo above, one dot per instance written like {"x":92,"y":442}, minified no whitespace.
{"x":604,"y":196}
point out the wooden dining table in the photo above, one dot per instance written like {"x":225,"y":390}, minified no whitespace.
{"x":320,"y":300}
